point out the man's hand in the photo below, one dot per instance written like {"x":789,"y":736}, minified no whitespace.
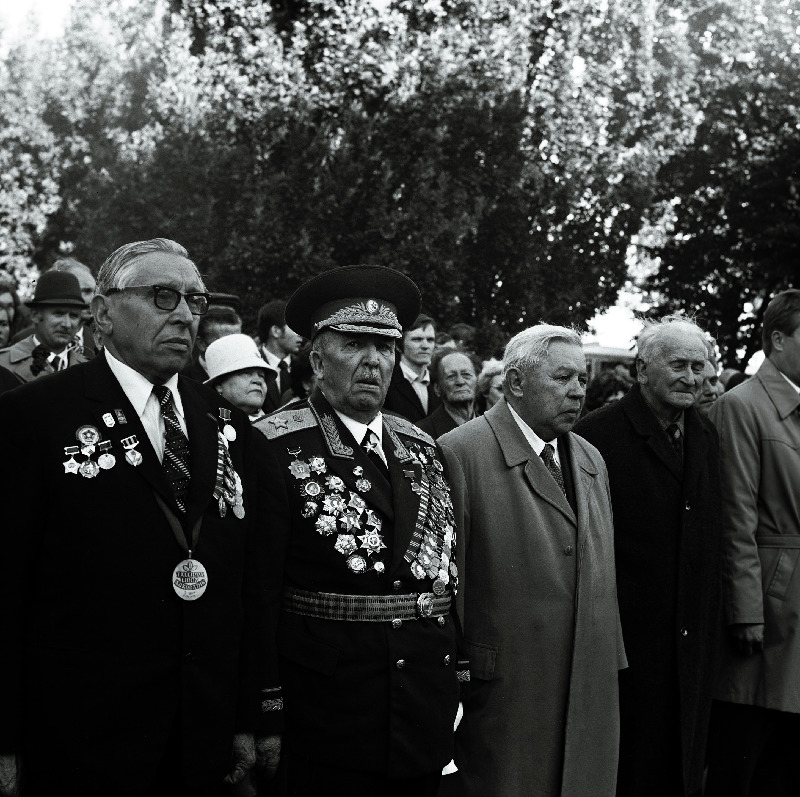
{"x":268,"y":754}
{"x":748,"y":638}
{"x":10,"y":766}
{"x":243,"y":756}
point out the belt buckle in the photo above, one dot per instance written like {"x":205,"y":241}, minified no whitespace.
{"x":425,"y":605}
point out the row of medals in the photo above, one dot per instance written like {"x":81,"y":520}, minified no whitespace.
{"x":89,"y":439}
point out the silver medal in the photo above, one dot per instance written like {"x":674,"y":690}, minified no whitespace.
{"x":189,"y":580}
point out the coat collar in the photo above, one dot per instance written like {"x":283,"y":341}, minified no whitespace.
{"x":21,"y":350}
{"x":785,"y":398}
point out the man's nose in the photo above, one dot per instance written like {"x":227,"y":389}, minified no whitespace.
{"x":182,"y":312}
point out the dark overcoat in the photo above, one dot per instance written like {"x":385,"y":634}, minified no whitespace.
{"x":102,"y":662}
{"x":439,"y":422}
{"x":402,"y":399}
{"x":667,"y":536}
{"x":367,"y":696}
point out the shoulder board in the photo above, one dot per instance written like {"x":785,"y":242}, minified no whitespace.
{"x":402,"y":426}
{"x":285,"y":422}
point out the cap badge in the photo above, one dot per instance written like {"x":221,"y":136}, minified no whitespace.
{"x":372,"y":306}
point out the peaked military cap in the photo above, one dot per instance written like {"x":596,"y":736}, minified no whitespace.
{"x":372,"y":299}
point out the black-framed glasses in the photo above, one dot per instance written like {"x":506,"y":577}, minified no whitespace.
{"x":168,"y":298}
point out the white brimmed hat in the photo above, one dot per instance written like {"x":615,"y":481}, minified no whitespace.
{"x":232,"y":353}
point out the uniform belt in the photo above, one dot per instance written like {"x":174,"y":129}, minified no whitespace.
{"x":365,"y":608}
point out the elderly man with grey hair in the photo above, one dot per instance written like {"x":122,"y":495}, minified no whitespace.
{"x":538,"y":588}
{"x":662,"y":460}
{"x":135,"y":598}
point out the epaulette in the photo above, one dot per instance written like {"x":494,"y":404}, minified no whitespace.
{"x":285,"y":422}
{"x":401,"y":425}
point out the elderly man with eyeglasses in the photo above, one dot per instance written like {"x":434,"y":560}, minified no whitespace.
{"x":135,"y":597}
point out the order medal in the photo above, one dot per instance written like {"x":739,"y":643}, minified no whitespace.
{"x":189,"y":579}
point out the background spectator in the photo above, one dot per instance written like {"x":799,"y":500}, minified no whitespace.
{"x":237,"y":372}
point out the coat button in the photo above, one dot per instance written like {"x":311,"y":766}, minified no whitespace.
{"x":442,"y":622}
{"x":446,"y":661}
{"x":688,"y":506}
{"x":397,"y":622}
{"x":684,"y":631}
{"x":397,"y":584}
{"x":400,"y":664}
{"x":568,"y":551}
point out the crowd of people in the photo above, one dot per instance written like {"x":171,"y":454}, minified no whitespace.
{"x":345,"y":556}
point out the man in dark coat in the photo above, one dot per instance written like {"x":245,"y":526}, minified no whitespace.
{"x":662,"y":460}
{"x":365,"y":535}
{"x":455,"y":382}
{"x":135,"y":596}
{"x":411,"y":392}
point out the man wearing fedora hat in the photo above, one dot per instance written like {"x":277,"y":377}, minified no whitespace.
{"x":56,"y":314}
{"x":364,"y":529}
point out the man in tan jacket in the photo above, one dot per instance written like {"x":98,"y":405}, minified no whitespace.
{"x":755,"y":734}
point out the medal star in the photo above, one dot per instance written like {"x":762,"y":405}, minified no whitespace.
{"x":373,"y":519}
{"x":317,"y":464}
{"x":333,"y":504}
{"x":350,"y":521}
{"x":372,"y":541}
{"x":70,"y":466}
{"x":356,"y":502}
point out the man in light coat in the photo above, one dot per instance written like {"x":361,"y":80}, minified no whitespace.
{"x":538,"y":588}
{"x":756,"y":719}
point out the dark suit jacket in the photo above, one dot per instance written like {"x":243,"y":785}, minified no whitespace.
{"x":101,"y":660}
{"x":348,"y":704}
{"x":402,"y":399}
{"x":8,"y":380}
{"x":667,"y":529}
{"x":439,"y":422}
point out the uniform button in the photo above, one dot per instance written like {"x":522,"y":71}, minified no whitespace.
{"x":397,"y":622}
{"x":400,"y":664}
{"x":447,"y":660}
{"x":442,"y":622}
{"x":568,"y":550}
{"x":688,"y":506}
{"x":397,"y":585}
{"x":684,"y":631}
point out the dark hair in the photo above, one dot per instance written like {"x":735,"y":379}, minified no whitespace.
{"x":301,"y":372}
{"x":217,"y":315}
{"x":420,"y":321}
{"x":272,"y":314}
{"x":736,"y":379}
{"x":439,"y":355}
{"x":782,"y":315}
{"x":602,"y":387}
{"x":463,"y":332}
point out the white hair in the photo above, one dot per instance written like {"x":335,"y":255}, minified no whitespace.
{"x":650,"y":339}
{"x":528,"y":347}
{"x":119,"y":266}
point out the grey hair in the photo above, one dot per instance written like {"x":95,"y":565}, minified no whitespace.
{"x":70,"y":265}
{"x":527,"y":348}
{"x":649,"y":340}
{"x":118,"y":268}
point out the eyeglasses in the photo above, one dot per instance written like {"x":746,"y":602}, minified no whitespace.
{"x":168,"y":298}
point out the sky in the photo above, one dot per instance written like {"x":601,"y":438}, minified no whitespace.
{"x":616,"y":327}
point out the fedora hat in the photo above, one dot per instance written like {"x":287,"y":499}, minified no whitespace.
{"x":372,"y":299}
{"x":232,"y":353}
{"x":57,"y":288}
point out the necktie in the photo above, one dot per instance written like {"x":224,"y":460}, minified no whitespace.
{"x":548,"y":457}
{"x":370,"y":445}
{"x":176,"y":447}
{"x":283,"y":376}
{"x":674,"y":434}
{"x":58,"y":362}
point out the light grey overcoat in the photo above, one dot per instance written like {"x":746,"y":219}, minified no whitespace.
{"x":759,"y":435}
{"x":539,"y":606}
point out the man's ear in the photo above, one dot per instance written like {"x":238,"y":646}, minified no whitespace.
{"x":276,"y":331}
{"x":100,"y":312}
{"x":514,"y":382}
{"x":316,"y":364}
{"x":777,"y":340}
{"x":436,"y":390}
{"x":641,"y":371}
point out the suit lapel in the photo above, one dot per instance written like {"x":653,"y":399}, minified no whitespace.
{"x":647,"y":426}
{"x":103,"y":389}
{"x":517,"y":450}
{"x":202,"y":427}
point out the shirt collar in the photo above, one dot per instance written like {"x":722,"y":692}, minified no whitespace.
{"x":137,"y":388}
{"x":358,"y":429}
{"x":535,"y":442}
{"x":412,"y":375}
{"x":273,"y":361}
{"x":797,"y":389}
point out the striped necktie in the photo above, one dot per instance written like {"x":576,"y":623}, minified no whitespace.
{"x":176,"y":447}
{"x":549,"y":459}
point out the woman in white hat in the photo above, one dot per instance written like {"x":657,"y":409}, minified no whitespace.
{"x":238,"y":373}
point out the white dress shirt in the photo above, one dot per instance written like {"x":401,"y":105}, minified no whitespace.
{"x":274,"y":362}
{"x":419,"y":382}
{"x":140,"y":394}
{"x":535,"y":442}
{"x":358,"y":430}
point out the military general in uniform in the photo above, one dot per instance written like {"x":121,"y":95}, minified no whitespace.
{"x":367,"y":633}
{"x":137,"y":656}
